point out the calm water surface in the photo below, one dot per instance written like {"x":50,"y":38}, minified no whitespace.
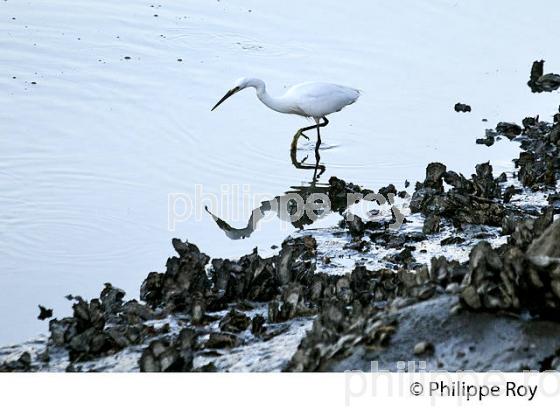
{"x":106,"y":111}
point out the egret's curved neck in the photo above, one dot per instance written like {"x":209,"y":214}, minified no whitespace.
{"x":274,"y":103}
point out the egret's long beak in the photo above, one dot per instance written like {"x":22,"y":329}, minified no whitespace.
{"x":225,"y":97}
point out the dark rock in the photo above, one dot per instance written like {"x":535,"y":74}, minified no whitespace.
{"x":540,"y":169}
{"x":133,"y":312}
{"x":184,"y":277}
{"x":457,"y":181}
{"x":102,"y":326}
{"x":526,"y":229}
{"x":186,"y":340}
{"x":544,"y":255}
{"x":485,"y":186}
{"x":222,"y":340}
{"x":549,"y":82}
{"x":163,"y":356}
{"x":296,"y":260}
{"x":485,"y":141}
{"x":460,"y":107}
{"x":62,"y":331}
{"x":431,"y":224}
{"x":540,"y":82}
{"x":442,"y":279}
{"x":452,"y":240}
{"x":404,"y":257}
{"x":508,"y":129}
{"x":510,"y":279}
{"x":489,"y":139}
{"x":355,"y":224}
{"x":484,"y":284}
{"x":257,"y":325}
{"x":89,"y":315}
{"x":340,"y":192}
{"x":44,"y":313}
{"x":121,"y":336}
{"x":547,"y":246}
{"x":22,"y":364}
{"x":111,"y":299}
{"x":509,"y":192}
{"x":529,"y":123}
{"x":468,"y":202}
{"x":335,"y":334}
{"x":235,"y":322}
{"x":289,"y":305}
{"x":434,"y":176}
{"x":423,"y":348}
{"x":207,"y":368}
{"x":198,"y":310}
{"x":388,"y":190}
{"x":537,"y":70}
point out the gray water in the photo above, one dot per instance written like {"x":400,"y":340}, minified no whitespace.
{"x":90,"y":153}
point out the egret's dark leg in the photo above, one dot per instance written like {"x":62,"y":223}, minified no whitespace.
{"x":300,"y":133}
{"x":319,"y":125}
{"x":301,"y":130}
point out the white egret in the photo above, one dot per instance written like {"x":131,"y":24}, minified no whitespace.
{"x":310,"y":99}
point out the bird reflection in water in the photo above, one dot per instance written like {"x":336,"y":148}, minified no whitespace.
{"x":285,"y":206}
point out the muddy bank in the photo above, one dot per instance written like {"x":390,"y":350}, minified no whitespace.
{"x":463,"y":273}
{"x":496,"y":311}
{"x":443,"y":337}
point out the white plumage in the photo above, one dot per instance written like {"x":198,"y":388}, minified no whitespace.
{"x":318,"y":100}
{"x":310,"y":99}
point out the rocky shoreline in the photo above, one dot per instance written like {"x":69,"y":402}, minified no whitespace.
{"x":492,"y":303}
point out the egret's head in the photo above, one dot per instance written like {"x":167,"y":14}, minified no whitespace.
{"x":242,"y":83}
{"x":239,"y":85}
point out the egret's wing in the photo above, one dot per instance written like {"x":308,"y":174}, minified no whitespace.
{"x":319,"y":99}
